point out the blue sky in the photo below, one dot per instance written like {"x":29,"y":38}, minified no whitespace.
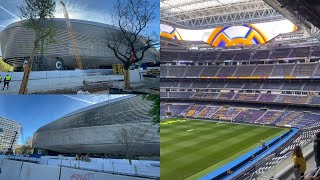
{"x":34,"y":111}
{"x":91,"y":10}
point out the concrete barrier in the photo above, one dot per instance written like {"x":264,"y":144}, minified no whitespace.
{"x":19,"y":170}
{"x":107,"y":166}
{"x":17,"y":76}
{"x":24,"y":158}
{"x":75,"y":174}
{"x":120,"y":161}
{"x":122,"y":168}
{"x":75,"y":73}
{"x":144,"y":163}
{"x":147,"y":171}
{"x":1,"y":162}
{"x":54,"y":162}
{"x":14,"y":75}
{"x":53,"y":74}
{"x":3,"y":157}
{"x":32,"y":171}
{"x":135,"y":75}
{"x":71,"y":163}
{"x":38,"y":75}
{"x":91,"y":166}
{"x":43,"y":161}
{"x":10,"y":170}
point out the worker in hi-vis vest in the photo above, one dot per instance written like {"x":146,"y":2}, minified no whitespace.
{"x":6,"y":81}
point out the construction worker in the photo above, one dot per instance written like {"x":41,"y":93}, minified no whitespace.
{"x":6,"y":81}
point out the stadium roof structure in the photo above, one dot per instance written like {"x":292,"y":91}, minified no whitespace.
{"x":17,"y":42}
{"x":95,"y":128}
{"x":207,"y":14}
{"x":73,"y":119}
{"x":295,"y":11}
{"x":204,"y":14}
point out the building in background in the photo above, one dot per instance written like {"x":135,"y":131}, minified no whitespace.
{"x":9,"y":132}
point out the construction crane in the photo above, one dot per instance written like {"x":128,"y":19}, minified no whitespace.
{"x":72,"y":37}
{"x":10,"y":149}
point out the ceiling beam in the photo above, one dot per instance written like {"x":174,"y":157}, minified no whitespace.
{"x":227,"y":15}
{"x":289,"y":15}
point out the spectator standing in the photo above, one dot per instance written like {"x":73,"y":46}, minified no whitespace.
{"x":299,"y":163}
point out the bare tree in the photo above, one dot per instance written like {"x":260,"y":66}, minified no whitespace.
{"x":26,"y":147}
{"x":130,"y":137}
{"x":129,"y":45}
{"x":36,"y":15}
{"x":28,"y":141}
{"x":156,"y":56}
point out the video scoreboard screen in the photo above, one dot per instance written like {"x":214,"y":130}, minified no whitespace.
{"x":246,"y":34}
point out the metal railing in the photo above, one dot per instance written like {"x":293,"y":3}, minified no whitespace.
{"x":272,"y":160}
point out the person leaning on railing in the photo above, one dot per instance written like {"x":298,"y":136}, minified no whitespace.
{"x":299,"y":163}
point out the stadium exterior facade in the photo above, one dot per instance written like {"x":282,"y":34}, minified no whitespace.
{"x":17,"y":43}
{"x":94,"y":129}
{"x":8,"y":129}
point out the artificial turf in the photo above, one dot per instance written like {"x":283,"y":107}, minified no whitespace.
{"x":191,"y":149}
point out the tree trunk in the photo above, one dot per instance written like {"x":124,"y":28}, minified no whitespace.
{"x":127,"y":78}
{"x":128,"y":156}
{"x":27,"y":71}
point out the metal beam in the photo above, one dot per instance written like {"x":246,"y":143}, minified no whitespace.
{"x":215,"y":10}
{"x":288,"y":15}
{"x":227,"y":15}
{"x":180,"y":3}
{"x":174,"y":42}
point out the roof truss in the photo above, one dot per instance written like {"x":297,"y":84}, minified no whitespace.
{"x":200,"y":15}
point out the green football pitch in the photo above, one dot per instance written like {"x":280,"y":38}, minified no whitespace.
{"x":191,"y":149}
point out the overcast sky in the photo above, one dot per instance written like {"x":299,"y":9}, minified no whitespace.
{"x":90,"y":10}
{"x":34,"y":111}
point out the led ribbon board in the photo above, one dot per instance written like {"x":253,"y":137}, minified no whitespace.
{"x":169,"y":32}
{"x":247,"y":34}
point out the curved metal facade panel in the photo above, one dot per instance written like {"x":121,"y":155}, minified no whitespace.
{"x":100,"y":139}
{"x":93,"y":129}
{"x":17,"y":44}
{"x":126,"y":110}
